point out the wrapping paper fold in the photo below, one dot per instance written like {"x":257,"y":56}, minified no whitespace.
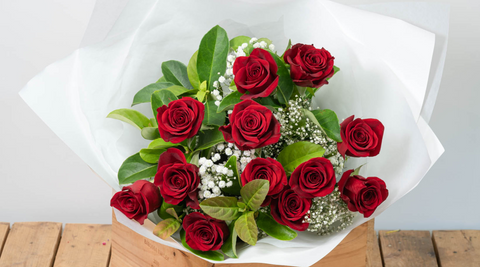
{"x":386,"y":73}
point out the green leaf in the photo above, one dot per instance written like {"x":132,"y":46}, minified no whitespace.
{"x":166,"y":228}
{"x":229,"y":101}
{"x":202,"y":92}
{"x":209,"y":138}
{"x":134,"y":168}
{"x":255,"y":192}
{"x":233,"y":190}
{"x":162,"y":211}
{"x":272,"y":228}
{"x":328,"y":122}
{"x":229,"y":246}
{"x":172,"y":212}
{"x":160,"y":143}
{"x":162,"y":80}
{"x":176,"y":73}
{"x":211,"y":255}
{"x":357,"y":170}
{"x":178,"y":90}
{"x":238,"y":41}
{"x":130,"y":116}
{"x":160,"y":98}
{"x":246,"y":228}
{"x":150,"y":133}
{"x":151,"y":155}
{"x":266,"y":40}
{"x":285,"y":82}
{"x":233,"y":86}
{"x":145,"y":94}
{"x":192,"y":71}
{"x":212,"y":55}
{"x":268,"y":101}
{"x":297,"y":153}
{"x":211,"y":115}
{"x":241,"y":206}
{"x":221,"y":208}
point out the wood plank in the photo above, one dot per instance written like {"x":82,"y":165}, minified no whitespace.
{"x":31,"y":244}
{"x":133,"y":250}
{"x":457,"y":248}
{"x":84,"y":245}
{"x":407,"y":248}
{"x":4,"y":228}
{"x":374,"y":258}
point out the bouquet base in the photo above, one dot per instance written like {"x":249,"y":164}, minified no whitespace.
{"x":130,"y":249}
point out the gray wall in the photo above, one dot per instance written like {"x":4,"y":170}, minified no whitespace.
{"x":42,"y":180}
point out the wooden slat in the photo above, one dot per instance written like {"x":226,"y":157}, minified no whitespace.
{"x":31,"y":244}
{"x":374,"y":258}
{"x":84,"y":245}
{"x":407,"y":248}
{"x":4,"y":228}
{"x":457,"y":248}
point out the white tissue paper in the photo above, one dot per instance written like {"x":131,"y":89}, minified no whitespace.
{"x":390,"y":70}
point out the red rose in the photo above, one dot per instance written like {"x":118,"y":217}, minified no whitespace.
{"x":362,"y":194}
{"x":177,"y":179}
{"x":267,"y":169}
{"x":309,"y":66}
{"x":137,"y":200}
{"x":290,"y":209}
{"x":203,"y":232}
{"x":255,"y":74}
{"x":313,"y":178}
{"x":361,"y":138}
{"x":180,"y":120}
{"x":251,"y":126}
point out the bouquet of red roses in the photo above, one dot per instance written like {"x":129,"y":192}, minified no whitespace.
{"x":238,"y":152}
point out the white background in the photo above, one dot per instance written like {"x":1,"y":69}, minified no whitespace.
{"x":43,"y":180}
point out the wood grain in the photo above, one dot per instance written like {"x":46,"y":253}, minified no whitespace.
{"x":84,"y":245}
{"x":457,"y":248}
{"x":374,"y":258}
{"x":130,"y":249}
{"x":407,"y":248}
{"x":31,"y":244}
{"x":4,"y":228}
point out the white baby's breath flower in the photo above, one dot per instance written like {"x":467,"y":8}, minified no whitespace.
{"x":230,"y":173}
{"x":207,"y":194}
{"x":246,"y":153}
{"x":229,"y":72}
{"x":225,"y":170}
{"x":215,"y":92}
{"x":231,"y":58}
{"x":244,"y":45}
{"x":208,"y":163}
{"x":202,"y":160}
{"x":271,"y":47}
{"x":219,"y":97}
{"x":263,"y":44}
{"x":229,"y":112}
{"x":220,"y":147}
{"x":221,"y":184}
{"x":228,"y":151}
{"x":215,"y":84}
{"x":217,"y":103}
{"x":202,"y":170}
{"x":221,"y":79}
{"x":216,"y":190}
{"x":253,"y":40}
{"x":211,"y":184}
{"x":256,"y":45}
{"x":229,"y":184}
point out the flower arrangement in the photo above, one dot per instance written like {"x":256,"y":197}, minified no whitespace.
{"x":238,"y":151}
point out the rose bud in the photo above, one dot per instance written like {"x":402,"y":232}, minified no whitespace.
{"x":203,"y":232}
{"x":362,"y":194}
{"x":361,"y":138}
{"x":313,"y":178}
{"x":255,"y":74}
{"x":180,"y":120}
{"x":290,"y":209}
{"x":177,"y":179}
{"x":251,"y":126}
{"x":309,"y":66}
{"x":137,"y":200}
{"x":267,"y":169}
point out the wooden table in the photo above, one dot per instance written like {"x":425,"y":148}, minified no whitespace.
{"x":44,"y":244}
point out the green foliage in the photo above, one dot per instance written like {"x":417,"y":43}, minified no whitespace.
{"x":131,"y":117}
{"x":229,"y":246}
{"x":233,"y":190}
{"x":192,"y":71}
{"x":159,"y":143}
{"x":176,"y":73}
{"x":221,"y":208}
{"x":151,"y":155}
{"x":272,"y":228}
{"x":202,"y":92}
{"x":145,"y":94}
{"x":209,"y":138}
{"x":254,"y":193}
{"x":297,"y":153}
{"x":211,"y":115}
{"x":163,"y":210}
{"x":150,"y":133}
{"x":160,"y":98}
{"x":212,"y":55}
{"x":135,"y":168}
{"x":229,"y":101}
{"x":246,"y":228}
{"x":166,"y":228}
{"x":328,"y":122}
{"x":285,"y":82}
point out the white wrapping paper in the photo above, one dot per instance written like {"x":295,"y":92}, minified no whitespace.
{"x":385,"y":68}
